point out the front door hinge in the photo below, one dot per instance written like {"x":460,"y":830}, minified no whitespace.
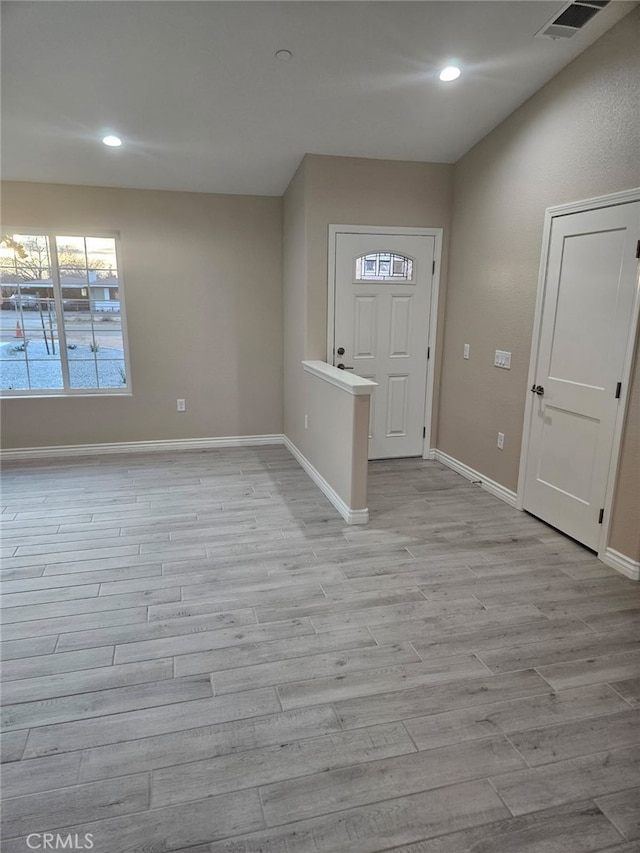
{"x":601,"y":516}
{"x":433,"y":265}
{"x":618,"y":390}
{"x":424,"y":432}
{"x":638,"y":250}
{"x":428,"y":353}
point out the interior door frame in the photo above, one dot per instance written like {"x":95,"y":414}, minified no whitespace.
{"x":381,"y":230}
{"x":552,"y":213}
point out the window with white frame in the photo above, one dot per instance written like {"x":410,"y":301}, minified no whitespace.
{"x":62,"y":321}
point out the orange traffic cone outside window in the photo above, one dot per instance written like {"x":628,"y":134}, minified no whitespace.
{"x":18,"y":330}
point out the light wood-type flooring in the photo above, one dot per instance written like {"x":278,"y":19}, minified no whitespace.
{"x":199,"y":655}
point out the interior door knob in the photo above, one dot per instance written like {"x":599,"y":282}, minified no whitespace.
{"x":340,"y":350}
{"x":538,"y":389}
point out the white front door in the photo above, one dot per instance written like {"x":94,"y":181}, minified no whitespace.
{"x":586,"y":321}
{"x":383,"y":286}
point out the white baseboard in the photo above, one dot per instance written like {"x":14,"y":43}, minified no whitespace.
{"x":167,"y":445}
{"x":351,"y":516}
{"x":489,"y":485}
{"x":621,"y":563}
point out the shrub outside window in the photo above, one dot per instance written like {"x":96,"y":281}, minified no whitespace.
{"x":62,"y":318}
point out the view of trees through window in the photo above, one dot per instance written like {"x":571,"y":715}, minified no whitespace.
{"x":61,"y":324}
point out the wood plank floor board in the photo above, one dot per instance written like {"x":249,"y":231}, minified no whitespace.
{"x":49,"y":664}
{"x":85,"y":681}
{"x":60,"y":577}
{"x":594,"y":670}
{"x":99,"y":703}
{"x":20,"y":574}
{"x":156,"y":630}
{"x":483,"y":642}
{"x":206,"y":640}
{"x":71,"y":556}
{"x":616,"y":620}
{"x":112,"y":727}
{"x":576,"y":778}
{"x":378,"y":827}
{"x":560,"y":649}
{"x":576,"y":828}
{"x":12,"y":745}
{"x":623,"y":811}
{"x":75,"y":624}
{"x":67,"y":806}
{"x":578,"y":737}
{"x":214,"y":604}
{"x":629,"y":689}
{"x":272,"y":764}
{"x":337,"y":603}
{"x":45,"y":596}
{"x":27,"y":647}
{"x":369,"y":782}
{"x":315,"y":666}
{"x":514,"y":715}
{"x":238,"y":657}
{"x":72,"y":607}
{"x":57,"y":543}
{"x":435,"y":698}
{"x":448,"y":627}
{"x":22,"y":778}
{"x":281,"y":730}
{"x":353,"y":685}
{"x":173,"y":828}
{"x":196,"y":641}
{"x":394,"y":613}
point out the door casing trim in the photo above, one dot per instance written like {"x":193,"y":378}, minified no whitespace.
{"x":437,"y":234}
{"x":624,"y":197}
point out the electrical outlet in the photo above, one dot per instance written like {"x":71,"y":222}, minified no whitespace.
{"x":466,"y":351}
{"x":502,"y":359}
{"x":500,"y":441}
{"x":181,"y":405}
{"x":306,"y":421}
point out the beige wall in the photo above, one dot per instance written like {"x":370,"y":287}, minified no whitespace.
{"x":294,"y":255}
{"x":203,"y":285}
{"x":345,"y":191}
{"x":336,"y":440}
{"x":577,"y":138}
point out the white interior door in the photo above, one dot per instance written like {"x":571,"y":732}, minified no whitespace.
{"x":382,"y":302}
{"x":586,"y":320}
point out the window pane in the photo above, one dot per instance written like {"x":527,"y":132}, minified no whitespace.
{"x":83,"y":373}
{"x":384,"y":266}
{"x":101,"y":254}
{"x":111,"y":374}
{"x":71,"y":252}
{"x":44,"y":371}
{"x":81,"y":316}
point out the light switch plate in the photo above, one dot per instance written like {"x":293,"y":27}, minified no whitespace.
{"x":466,"y":351}
{"x":502,"y":359}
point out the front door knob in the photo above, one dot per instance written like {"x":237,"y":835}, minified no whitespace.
{"x":340,"y":350}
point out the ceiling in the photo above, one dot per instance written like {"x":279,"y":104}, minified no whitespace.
{"x":202,"y":104}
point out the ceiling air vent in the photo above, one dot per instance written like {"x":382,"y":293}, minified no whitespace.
{"x":571,"y":18}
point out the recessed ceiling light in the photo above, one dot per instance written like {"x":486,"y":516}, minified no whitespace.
{"x":112,"y":141}
{"x":284,"y":55}
{"x":451,"y":72}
